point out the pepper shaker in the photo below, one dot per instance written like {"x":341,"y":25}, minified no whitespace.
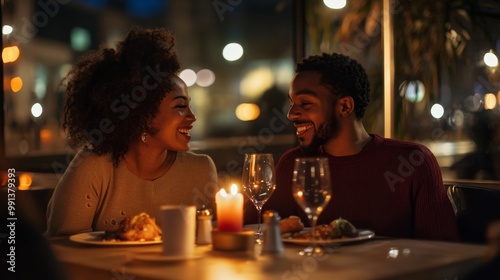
{"x":272,"y":234}
{"x":204,"y":223}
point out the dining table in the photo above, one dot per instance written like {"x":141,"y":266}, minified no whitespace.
{"x":373,"y":258}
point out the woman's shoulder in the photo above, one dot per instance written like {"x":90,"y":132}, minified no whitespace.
{"x":194,"y":158}
{"x":85,"y":159}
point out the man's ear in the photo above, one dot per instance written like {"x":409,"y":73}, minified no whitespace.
{"x":346,"y":105}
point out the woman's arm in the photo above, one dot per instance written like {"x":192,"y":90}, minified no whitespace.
{"x":75,"y":199}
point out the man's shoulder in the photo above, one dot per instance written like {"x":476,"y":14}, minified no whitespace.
{"x":289,"y":156}
{"x":404,"y":148}
{"x":292,"y":153}
{"x":391,"y":143}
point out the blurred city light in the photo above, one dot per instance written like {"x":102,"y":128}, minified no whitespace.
{"x":256,"y":81}
{"x":10,"y":54}
{"x":7,"y":29}
{"x":36,"y":110}
{"x":25,"y":181}
{"x":247,"y":111}
{"x":80,"y":39}
{"x":46,"y":135}
{"x":437,"y":111}
{"x":16,"y":84}
{"x":205,"y":78}
{"x":458,"y":118}
{"x":490,"y":59}
{"x":188,"y":76}
{"x":413,"y":91}
{"x":40,"y":87}
{"x":490,"y":101}
{"x":232,"y":52}
{"x":335,"y":4}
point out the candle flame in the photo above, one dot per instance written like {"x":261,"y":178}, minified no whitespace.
{"x":223,"y":192}
{"x":234,"y":189}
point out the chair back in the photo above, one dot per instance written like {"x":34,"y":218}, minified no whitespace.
{"x":476,"y":207}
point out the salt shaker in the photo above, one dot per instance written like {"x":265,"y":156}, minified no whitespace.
{"x":204,"y":223}
{"x":272,"y":234}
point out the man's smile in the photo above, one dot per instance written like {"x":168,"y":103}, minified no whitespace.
{"x":303,"y":128}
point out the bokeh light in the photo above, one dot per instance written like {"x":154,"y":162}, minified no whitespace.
{"x":232,"y":52}
{"x":335,"y":4}
{"x":437,"y":111}
{"x":80,"y":39}
{"x":205,"y":78}
{"x":490,"y":59}
{"x":413,"y":91}
{"x":188,"y":76}
{"x":256,"y":81}
{"x":36,"y":110}
{"x":25,"y":181}
{"x":247,"y":111}
{"x":10,"y":54}
{"x":7,"y":29}
{"x":16,"y":84}
{"x":490,"y":101}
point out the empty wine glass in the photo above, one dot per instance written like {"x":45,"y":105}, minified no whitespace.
{"x":259,"y":182}
{"x":311,"y":188}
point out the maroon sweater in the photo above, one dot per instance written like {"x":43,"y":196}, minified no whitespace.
{"x":392,"y":187}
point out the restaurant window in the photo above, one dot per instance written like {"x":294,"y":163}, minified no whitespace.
{"x":446,"y":75}
{"x":234,"y":95}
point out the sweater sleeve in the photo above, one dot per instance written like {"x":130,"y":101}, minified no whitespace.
{"x":75,"y":199}
{"x":206,"y":174}
{"x":434,"y":215}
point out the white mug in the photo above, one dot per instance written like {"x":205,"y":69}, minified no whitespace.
{"x":178,"y":224}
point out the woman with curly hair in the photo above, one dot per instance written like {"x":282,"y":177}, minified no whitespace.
{"x":128,"y":112}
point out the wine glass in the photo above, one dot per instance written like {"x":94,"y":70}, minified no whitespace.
{"x":311,"y":188}
{"x":259,"y":182}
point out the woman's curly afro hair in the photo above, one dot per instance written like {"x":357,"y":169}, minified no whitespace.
{"x":343,"y":75}
{"x":113,"y":94}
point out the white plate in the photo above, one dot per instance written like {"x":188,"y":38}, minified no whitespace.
{"x":363,"y":235}
{"x":160,"y":257}
{"x":95,"y":238}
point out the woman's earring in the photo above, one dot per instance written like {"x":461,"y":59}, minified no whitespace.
{"x":143,"y":137}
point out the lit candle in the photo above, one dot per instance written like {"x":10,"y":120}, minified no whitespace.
{"x":229,"y":210}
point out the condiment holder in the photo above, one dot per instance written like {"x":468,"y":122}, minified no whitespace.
{"x":233,"y":241}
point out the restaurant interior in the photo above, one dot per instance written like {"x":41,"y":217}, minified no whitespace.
{"x":435,"y":80}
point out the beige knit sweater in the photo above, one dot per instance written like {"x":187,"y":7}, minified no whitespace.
{"x":92,"y":195}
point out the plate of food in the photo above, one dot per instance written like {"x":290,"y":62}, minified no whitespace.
{"x":339,"y":231}
{"x":160,"y":257}
{"x":299,"y":239}
{"x":140,"y":229}
{"x":98,"y":238}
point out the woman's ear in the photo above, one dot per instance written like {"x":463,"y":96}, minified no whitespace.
{"x":346,"y":105}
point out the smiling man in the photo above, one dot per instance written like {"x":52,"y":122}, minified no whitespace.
{"x":389,"y":186}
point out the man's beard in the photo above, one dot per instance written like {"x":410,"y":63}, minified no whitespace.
{"x":326,"y":131}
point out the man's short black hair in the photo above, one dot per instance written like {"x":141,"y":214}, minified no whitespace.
{"x":343,"y":75}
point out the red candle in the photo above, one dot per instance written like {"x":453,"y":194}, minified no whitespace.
{"x":229,"y":210}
